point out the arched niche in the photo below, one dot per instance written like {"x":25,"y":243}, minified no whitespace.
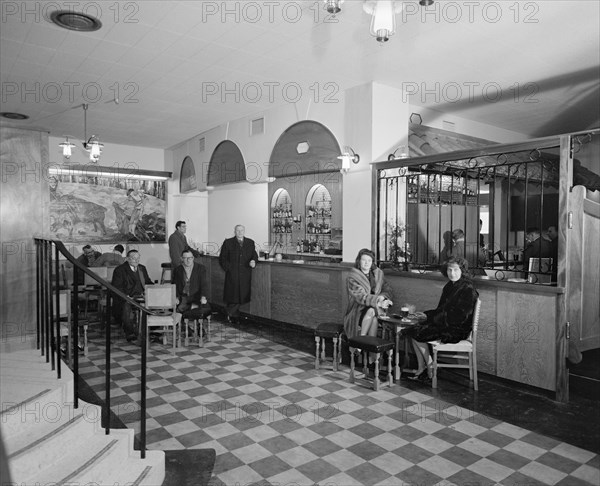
{"x":306,"y":147}
{"x":226,"y":165}
{"x":187,"y":176}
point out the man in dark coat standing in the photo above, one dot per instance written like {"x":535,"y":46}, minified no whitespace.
{"x":130,"y":278}
{"x":238,"y":257}
{"x":178,"y":243}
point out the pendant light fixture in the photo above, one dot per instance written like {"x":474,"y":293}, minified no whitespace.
{"x":91,"y":145}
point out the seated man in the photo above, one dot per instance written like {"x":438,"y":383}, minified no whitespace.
{"x":130,"y":278}
{"x":190,"y":283}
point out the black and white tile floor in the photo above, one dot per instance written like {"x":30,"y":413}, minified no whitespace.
{"x":274,"y":420}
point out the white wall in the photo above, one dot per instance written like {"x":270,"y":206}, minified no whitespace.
{"x":372,"y":119}
{"x":233,"y":204}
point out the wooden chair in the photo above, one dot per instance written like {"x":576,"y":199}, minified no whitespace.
{"x":162,"y":299}
{"x":92,"y":289}
{"x":64,"y":316}
{"x":462,"y":351}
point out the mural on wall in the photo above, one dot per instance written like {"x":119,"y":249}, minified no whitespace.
{"x":86,"y":209}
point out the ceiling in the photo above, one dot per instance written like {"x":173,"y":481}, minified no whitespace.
{"x":180,"y":68}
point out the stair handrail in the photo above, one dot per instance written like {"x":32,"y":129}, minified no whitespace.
{"x":45,"y":316}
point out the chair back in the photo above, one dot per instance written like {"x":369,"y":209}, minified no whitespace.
{"x":160,"y":296}
{"x":109,"y":273}
{"x":102,"y":272}
{"x":64,"y":301}
{"x":476,"y":312}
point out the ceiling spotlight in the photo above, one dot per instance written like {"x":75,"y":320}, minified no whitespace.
{"x":425,"y":3}
{"x":333,"y":6}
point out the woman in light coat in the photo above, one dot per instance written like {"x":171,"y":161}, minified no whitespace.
{"x":368,"y":294}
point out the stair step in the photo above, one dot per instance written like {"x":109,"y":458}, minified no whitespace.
{"x":136,"y":471}
{"x":34,"y":412}
{"x":49,"y":442}
{"x":81,"y":464}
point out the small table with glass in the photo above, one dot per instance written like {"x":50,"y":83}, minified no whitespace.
{"x":396,"y":323}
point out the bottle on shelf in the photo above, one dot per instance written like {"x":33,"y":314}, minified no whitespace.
{"x":298,"y":246}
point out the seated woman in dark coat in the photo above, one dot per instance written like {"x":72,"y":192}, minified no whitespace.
{"x":451,"y":321}
{"x":368,"y":293}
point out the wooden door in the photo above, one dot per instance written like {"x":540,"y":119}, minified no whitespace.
{"x":583,"y":273}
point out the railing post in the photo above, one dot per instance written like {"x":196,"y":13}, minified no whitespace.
{"x":45,"y":308}
{"x":38,"y":275}
{"x":54,"y":344}
{"x":107,"y":367}
{"x":58,"y":336}
{"x":143,"y":385}
{"x":75,"y":334}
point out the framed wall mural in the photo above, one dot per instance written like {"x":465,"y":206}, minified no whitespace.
{"x":107,"y":208}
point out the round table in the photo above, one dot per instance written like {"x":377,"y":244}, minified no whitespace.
{"x":396,"y":325}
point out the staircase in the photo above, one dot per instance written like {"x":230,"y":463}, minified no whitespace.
{"x":48,"y":441}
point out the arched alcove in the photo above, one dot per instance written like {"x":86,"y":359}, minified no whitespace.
{"x":226,"y":165}
{"x":187,"y":176}
{"x":306,"y":147}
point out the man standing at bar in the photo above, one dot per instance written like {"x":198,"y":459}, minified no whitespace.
{"x":178,"y":244}
{"x":238,"y":257}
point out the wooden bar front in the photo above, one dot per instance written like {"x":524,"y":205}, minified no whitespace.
{"x":519,"y":338}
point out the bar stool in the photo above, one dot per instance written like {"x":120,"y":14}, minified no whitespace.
{"x":371,"y":344}
{"x":197,"y":315}
{"x":166,"y":269}
{"x":329,"y":330}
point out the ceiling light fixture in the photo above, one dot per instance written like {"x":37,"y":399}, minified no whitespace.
{"x":66,"y":148}
{"x":425,"y":3}
{"x":333,"y":6}
{"x":348,"y":156}
{"x":92,"y":144}
{"x":383,"y":23}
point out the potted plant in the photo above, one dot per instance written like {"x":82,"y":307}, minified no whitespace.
{"x":398,"y":247}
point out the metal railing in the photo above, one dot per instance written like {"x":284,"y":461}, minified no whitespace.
{"x":514,"y":188}
{"x":48,"y":325}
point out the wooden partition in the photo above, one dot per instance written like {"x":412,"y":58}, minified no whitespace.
{"x":520,"y":335}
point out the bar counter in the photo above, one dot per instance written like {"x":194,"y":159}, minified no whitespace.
{"x":522,"y":330}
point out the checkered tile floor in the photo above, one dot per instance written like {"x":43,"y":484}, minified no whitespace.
{"x":274,"y":420}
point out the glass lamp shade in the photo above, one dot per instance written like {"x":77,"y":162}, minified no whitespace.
{"x":383,"y":23}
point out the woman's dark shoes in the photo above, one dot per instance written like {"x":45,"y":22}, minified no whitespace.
{"x":421,"y":376}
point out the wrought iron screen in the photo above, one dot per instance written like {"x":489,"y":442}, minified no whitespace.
{"x":487,"y":209}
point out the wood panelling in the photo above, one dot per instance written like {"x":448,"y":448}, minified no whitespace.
{"x":323,"y":150}
{"x":226,"y":165}
{"x":527,"y":338}
{"x":305,"y":295}
{"x":518,"y":339}
{"x":584,"y":271}
{"x":261,"y":291}
{"x":24,"y":200}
